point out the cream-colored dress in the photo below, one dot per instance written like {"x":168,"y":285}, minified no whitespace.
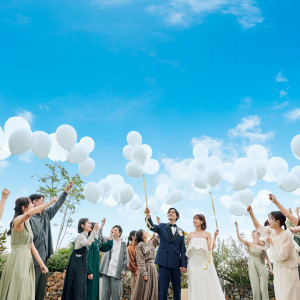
{"x":285,"y":266}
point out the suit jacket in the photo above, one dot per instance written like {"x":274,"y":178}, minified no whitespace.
{"x":171,"y":251}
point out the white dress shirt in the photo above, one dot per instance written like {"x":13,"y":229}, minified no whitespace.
{"x":115,"y":255}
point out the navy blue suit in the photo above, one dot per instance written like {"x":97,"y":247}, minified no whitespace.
{"x":170,"y":257}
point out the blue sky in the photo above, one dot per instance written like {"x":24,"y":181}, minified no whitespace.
{"x":223,"y":72}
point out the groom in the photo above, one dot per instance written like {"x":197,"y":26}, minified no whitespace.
{"x":170,"y":255}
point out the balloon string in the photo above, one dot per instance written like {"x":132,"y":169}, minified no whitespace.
{"x":213,"y":206}
{"x":145,"y":191}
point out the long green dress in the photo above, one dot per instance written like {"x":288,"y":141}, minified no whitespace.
{"x":93,"y":267}
{"x":17,"y":280}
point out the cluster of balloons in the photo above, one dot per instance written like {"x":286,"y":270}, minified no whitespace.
{"x":62,"y":145}
{"x":139,"y":156}
{"x":240,"y":201}
{"x":112,"y":191}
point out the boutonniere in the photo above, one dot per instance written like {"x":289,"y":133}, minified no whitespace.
{"x":180,"y":233}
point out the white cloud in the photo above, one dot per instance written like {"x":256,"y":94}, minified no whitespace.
{"x":26,"y":115}
{"x":3,"y":165}
{"x":249,"y":128}
{"x":187,"y":12}
{"x":281,"y":105}
{"x":25,"y":157}
{"x":283,"y":93}
{"x":280,"y":78}
{"x":293,"y":115}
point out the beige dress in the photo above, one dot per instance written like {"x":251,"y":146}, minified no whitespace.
{"x":285,"y":266}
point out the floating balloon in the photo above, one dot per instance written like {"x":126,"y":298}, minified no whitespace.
{"x":105,"y":185}
{"x":134,"y":138}
{"x":200,"y":150}
{"x":139,"y":154}
{"x":238,"y":209}
{"x":257,"y":152}
{"x":115,"y":180}
{"x":277,"y":167}
{"x":57,"y":152}
{"x":213,"y":162}
{"x":200,"y":182}
{"x":237,"y":186}
{"x":245,"y":172}
{"x":134,"y":169}
{"x":200,"y":165}
{"x":228,"y":172}
{"x":174,"y":197}
{"x":126,"y":193}
{"x":296,"y":171}
{"x":295,"y":146}
{"x":66,"y":136}
{"x":15,"y":123}
{"x":151,"y":166}
{"x":109,"y":200}
{"x":41,"y":144}
{"x":92,"y":192}
{"x":20,"y":141}
{"x":78,"y":154}
{"x":288,"y":183}
{"x":127,"y":152}
{"x":246,"y":197}
{"x":148,"y":150}
{"x":87,"y":167}
{"x":89,"y":142}
{"x":214,"y":177}
{"x":135,"y":203}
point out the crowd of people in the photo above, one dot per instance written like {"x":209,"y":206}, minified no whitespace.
{"x":25,"y":273}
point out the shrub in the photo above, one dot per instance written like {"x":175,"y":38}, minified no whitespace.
{"x":58,"y":262}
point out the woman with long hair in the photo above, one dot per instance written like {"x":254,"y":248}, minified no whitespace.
{"x":146,"y":287}
{"x":76,"y":274}
{"x":133,"y":268}
{"x":283,"y":254}
{"x":18,"y":277}
{"x":258,"y":272}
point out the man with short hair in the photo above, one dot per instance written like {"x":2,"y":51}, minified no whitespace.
{"x":170,"y":255}
{"x":114,"y":264}
{"x":42,"y":237}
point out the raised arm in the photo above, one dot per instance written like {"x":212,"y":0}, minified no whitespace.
{"x":84,"y":242}
{"x":149,"y":222}
{"x":5,"y":194}
{"x":254,"y":220}
{"x":238,"y":235}
{"x":285,"y":211}
{"x":257,"y":240}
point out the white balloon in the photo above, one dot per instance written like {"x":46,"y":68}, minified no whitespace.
{"x":3,"y":138}
{"x":92,"y":192}
{"x":296,"y":171}
{"x":134,"y":169}
{"x":4,"y":152}
{"x":174,"y":197}
{"x":109,"y":201}
{"x":89,"y":142}
{"x":257,"y":152}
{"x":127,"y":152}
{"x":237,"y":186}
{"x":20,"y":141}
{"x":57,"y":152}
{"x":200,"y":165}
{"x":213,"y":162}
{"x":235,"y":197}
{"x":66,"y":137}
{"x":139,"y":154}
{"x":135,"y":203}
{"x":277,"y":167}
{"x":15,"y":123}
{"x":295,"y":146}
{"x":115,"y":180}
{"x":105,"y":185}
{"x":41,"y":144}
{"x":87,"y":167}
{"x":78,"y":154}
{"x":246,"y":197}
{"x":148,"y":149}
{"x":200,"y":150}
{"x":214,"y":177}
{"x":126,"y":193}
{"x":245,"y":172}
{"x":134,"y":138}
{"x":261,"y":168}
{"x":238,"y":209}
{"x":200,"y":182}
{"x":226,"y":200}
{"x":116,"y":194}
{"x":161,"y":191}
{"x":228,"y":172}
{"x":151,"y":166}
{"x":288,"y":183}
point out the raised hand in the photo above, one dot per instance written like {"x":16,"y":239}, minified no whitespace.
{"x":236,"y":224}
{"x":147,"y":212}
{"x":69,"y":187}
{"x":5,"y":194}
{"x":54,"y":200}
{"x":158,"y":220}
{"x":96,"y":227}
{"x":272,"y":198}
{"x":249,"y":209}
{"x":103,"y":222}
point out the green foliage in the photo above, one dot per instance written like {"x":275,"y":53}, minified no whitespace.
{"x":3,"y":259}
{"x":3,"y":240}
{"x":58,"y":262}
{"x":52,"y":184}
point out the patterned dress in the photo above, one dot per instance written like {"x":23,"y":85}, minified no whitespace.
{"x":17,"y":280}
{"x":145,"y":255}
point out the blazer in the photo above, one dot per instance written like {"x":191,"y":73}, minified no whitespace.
{"x":171,"y":250}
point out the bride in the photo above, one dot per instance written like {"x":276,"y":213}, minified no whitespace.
{"x":203,"y":280}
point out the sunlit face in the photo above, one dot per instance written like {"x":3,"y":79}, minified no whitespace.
{"x":116,"y":232}
{"x":39,"y":202}
{"x":172,"y":215}
{"x":197,"y":222}
{"x":87,"y":226}
{"x":272,"y":222}
{"x":253,"y":234}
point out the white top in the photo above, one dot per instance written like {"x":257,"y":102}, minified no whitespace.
{"x":115,"y":255}
{"x":197,"y":244}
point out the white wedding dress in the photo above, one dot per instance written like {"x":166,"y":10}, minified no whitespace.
{"x":203,"y":284}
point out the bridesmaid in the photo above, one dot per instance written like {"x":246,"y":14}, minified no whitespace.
{"x":133,"y":268}
{"x":283,"y":253}
{"x":94,"y":263}
{"x":76,"y":274}
{"x":18,"y":277}
{"x":258,"y":272}
{"x":146,"y":287}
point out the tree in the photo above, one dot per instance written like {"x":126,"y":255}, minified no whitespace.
{"x":52,"y":184}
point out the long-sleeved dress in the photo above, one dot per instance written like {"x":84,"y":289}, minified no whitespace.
{"x":145,"y":255}
{"x":17,"y":280}
{"x":93,"y":267}
{"x":76,"y":275}
{"x":133,"y":268}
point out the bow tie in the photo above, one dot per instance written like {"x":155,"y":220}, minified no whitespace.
{"x":173,"y":225}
